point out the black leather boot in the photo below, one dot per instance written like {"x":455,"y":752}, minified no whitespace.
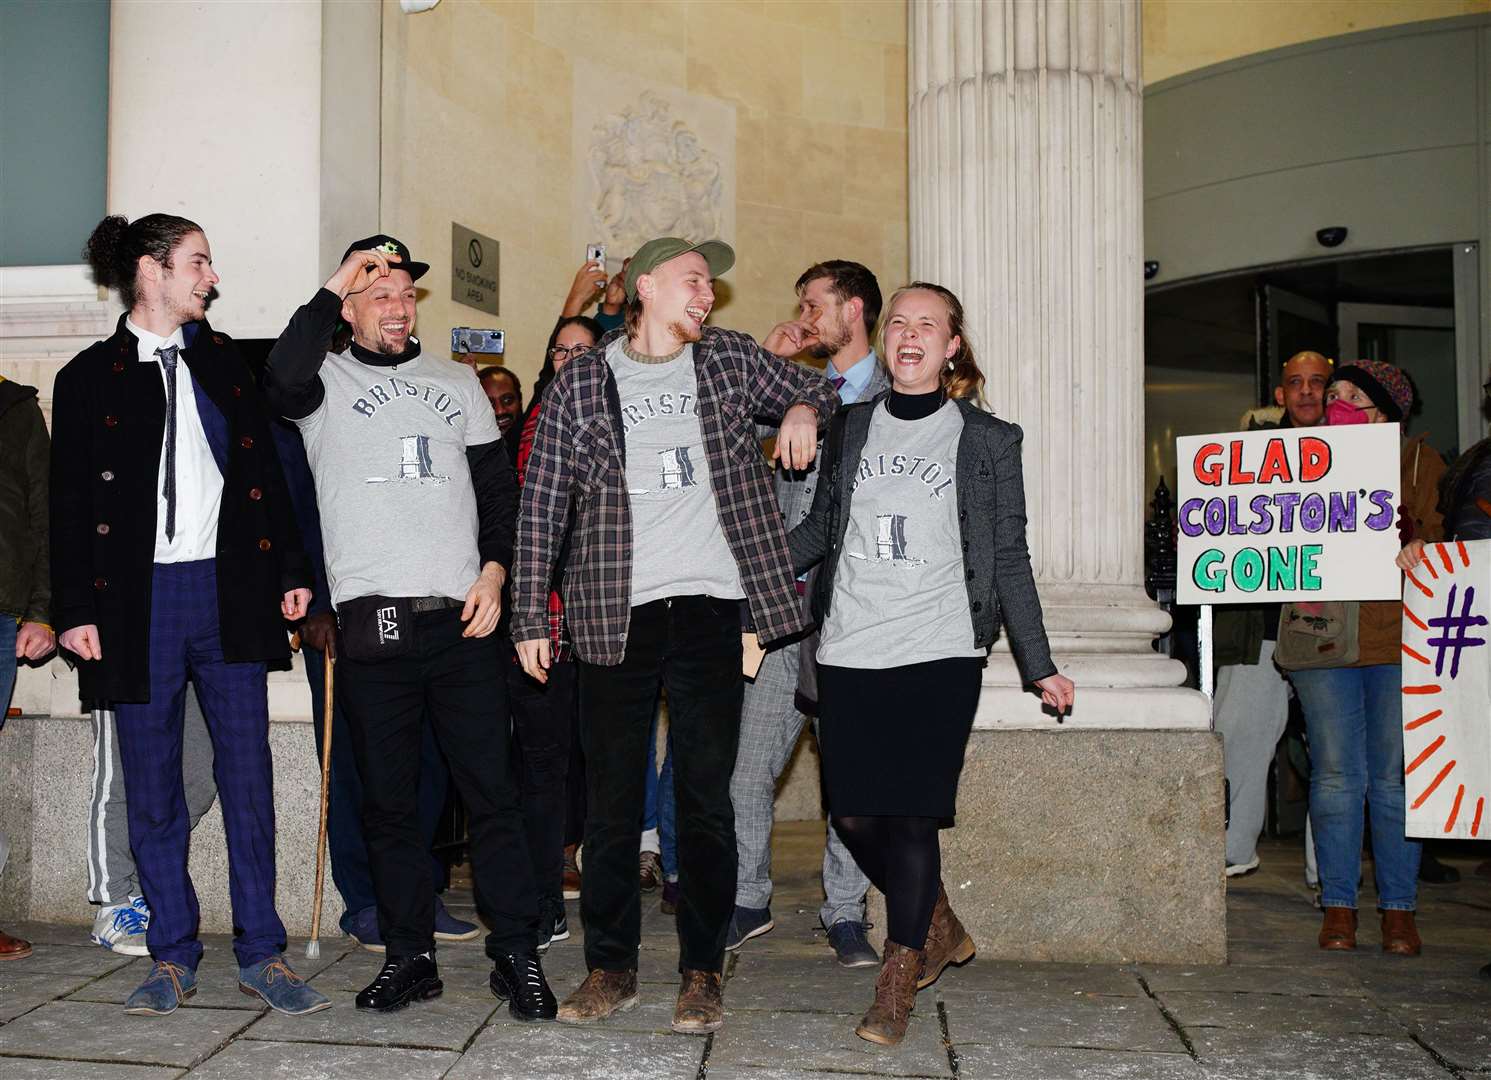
{"x":518,"y":979}
{"x":404,"y":979}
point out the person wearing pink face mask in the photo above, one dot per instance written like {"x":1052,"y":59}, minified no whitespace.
{"x":1352,"y":713}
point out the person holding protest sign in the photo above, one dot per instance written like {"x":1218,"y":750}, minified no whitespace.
{"x":1353,"y":712}
{"x":1465,"y":501}
{"x":1252,"y":697}
{"x":920,"y":529}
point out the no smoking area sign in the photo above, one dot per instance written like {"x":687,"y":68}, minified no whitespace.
{"x":473,"y":269}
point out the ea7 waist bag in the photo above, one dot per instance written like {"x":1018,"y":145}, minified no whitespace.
{"x":376,"y":627}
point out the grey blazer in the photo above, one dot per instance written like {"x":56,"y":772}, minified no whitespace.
{"x":991,"y":519}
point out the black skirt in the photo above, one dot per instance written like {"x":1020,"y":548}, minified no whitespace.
{"x":892,"y":739}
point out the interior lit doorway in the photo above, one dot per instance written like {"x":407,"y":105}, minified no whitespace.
{"x":1213,"y":347}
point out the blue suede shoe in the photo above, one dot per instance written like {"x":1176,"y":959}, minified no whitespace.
{"x":450,"y":928}
{"x":362,"y":926}
{"x":166,"y":987}
{"x":280,"y":988}
{"x":745,"y":924}
{"x":851,"y":942}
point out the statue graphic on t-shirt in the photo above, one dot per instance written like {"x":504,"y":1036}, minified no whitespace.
{"x":677,"y":468}
{"x":414,"y":464}
{"x":890,"y":541}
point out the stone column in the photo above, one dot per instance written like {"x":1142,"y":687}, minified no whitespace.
{"x":1025,"y":158}
{"x":1081,"y":842}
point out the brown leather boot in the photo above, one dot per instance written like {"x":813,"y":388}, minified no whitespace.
{"x":601,"y":994}
{"x":1399,"y":934}
{"x":947,"y":942}
{"x":895,"y":994}
{"x":1338,"y":929}
{"x":571,"y":884}
{"x":701,"y":1003}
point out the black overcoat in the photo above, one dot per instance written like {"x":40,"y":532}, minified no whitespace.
{"x":108,"y":420}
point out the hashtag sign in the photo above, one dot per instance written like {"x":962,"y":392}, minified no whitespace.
{"x":1454,"y":639}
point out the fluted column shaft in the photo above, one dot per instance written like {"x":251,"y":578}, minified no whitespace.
{"x":1025,"y":181}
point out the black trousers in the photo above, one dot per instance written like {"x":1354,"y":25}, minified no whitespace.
{"x":457,"y":686}
{"x":691,"y":645}
{"x":543,"y":724}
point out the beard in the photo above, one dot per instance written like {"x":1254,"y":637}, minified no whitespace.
{"x":828,"y":345}
{"x":683,"y":332}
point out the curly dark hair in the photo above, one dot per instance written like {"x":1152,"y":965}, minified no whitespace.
{"x":116,"y":244}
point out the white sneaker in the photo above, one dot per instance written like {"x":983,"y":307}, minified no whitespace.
{"x":121,"y":927}
{"x":1239,"y":869}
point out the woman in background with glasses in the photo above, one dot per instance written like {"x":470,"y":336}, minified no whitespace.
{"x":545,"y":716}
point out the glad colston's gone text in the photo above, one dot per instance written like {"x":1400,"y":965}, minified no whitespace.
{"x":1273,"y":568}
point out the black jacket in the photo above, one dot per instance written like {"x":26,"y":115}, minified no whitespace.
{"x":25,"y":586}
{"x":108,"y":419}
{"x":991,"y":521}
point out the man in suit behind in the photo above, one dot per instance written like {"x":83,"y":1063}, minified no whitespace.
{"x":175,"y":557}
{"x":838,"y":306}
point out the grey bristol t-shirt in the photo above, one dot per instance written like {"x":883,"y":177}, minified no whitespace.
{"x":678,"y":547}
{"x":899,"y":593}
{"x":387,"y":447}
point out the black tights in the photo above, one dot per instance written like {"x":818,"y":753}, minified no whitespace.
{"x":902,"y":858}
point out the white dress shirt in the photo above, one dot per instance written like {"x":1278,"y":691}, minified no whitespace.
{"x":199,"y":483}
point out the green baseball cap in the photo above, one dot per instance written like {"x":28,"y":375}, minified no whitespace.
{"x":718,"y":254}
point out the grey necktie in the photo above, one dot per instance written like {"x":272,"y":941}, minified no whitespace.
{"x":167,"y":354}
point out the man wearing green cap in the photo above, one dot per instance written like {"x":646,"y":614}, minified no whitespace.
{"x":650,"y":441}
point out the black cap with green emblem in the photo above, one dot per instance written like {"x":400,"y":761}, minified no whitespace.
{"x":718,"y":254}
{"x":389,"y":246}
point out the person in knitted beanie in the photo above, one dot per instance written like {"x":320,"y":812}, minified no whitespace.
{"x":1385,"y":388}
{"x":1354,"y":713}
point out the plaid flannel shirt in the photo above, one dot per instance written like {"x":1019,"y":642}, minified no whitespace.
{"x":579,"y":454}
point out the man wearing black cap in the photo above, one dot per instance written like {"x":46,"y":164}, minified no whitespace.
{"x":417,"y":497}
{"x":651,"y":438}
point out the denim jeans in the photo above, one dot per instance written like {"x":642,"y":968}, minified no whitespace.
{"x":660,"y":811}
{"x":691,"y":645}
{"x":1355,"y":723}
{"x":9,"y":628}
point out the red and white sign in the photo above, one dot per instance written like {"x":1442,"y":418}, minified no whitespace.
{"x":1447,"y":691}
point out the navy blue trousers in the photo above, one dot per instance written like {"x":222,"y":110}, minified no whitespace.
{"x":185,"y":644}
{"x":344,"y":839}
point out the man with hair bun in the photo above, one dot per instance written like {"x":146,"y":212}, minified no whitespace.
{"x":175,"y":558}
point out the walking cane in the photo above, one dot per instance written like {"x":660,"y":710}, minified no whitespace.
{"x":313,"y":946}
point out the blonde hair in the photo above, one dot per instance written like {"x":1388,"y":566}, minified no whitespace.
{"x":961,"y":378}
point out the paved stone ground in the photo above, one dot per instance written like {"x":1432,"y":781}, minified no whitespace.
{"x":1282,"y":1008}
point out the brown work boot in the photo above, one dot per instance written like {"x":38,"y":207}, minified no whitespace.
{"x":601,"y":994}
{"x":947,"y":942}
{"x":1338,"y":929}
{"x":1399,"y":934}
{"x":895,"y":994}
{"x":571,"y":872}
{"x":13,"y":948}
{"x":701,"y":1003}
{"x":649,"y":871}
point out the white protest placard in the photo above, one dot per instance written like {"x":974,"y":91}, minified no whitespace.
{"x":1447,"y":691}
{"x":1288,"y":514}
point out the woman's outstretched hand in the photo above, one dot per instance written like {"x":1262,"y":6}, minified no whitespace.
{"x":1058,"y":692}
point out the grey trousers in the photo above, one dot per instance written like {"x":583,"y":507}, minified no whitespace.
{"x":769,"y":729}
{"x":111,"y":864}
{"x":1252,"y":709}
